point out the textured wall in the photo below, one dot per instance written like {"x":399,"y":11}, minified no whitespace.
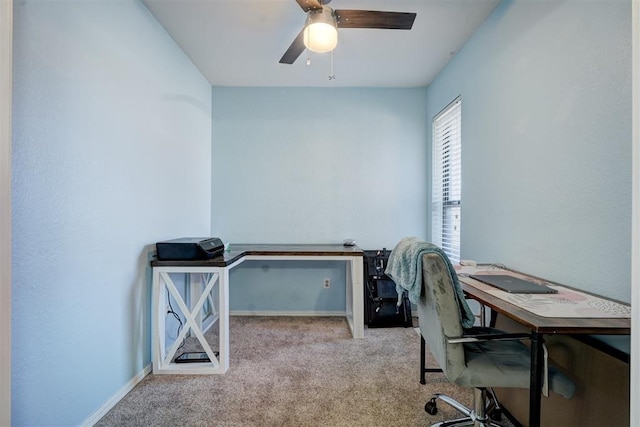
{"x":546,"y":128}
{"x":6,"y":67}
{"x":295,"y":165}
{"x":112,"y":146}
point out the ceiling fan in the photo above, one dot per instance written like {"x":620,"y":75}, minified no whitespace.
{"x":320,"y":33}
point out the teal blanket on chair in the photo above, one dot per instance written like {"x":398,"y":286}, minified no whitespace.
{"x":405,"y":269}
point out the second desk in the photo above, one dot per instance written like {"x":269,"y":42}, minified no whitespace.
{"x":613,"y":319}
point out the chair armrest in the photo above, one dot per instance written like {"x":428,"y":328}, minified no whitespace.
{"x":487,"y":337}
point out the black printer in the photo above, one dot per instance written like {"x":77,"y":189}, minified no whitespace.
{"x":190,"y":248}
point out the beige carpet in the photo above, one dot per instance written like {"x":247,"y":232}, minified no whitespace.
{"x":296,"y":371}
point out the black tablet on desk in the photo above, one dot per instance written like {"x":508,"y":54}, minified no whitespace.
{"x":513,"y":284}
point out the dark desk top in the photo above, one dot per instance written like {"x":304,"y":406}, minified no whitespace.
{"x":239,"y":250}
{"x":547,"y":325}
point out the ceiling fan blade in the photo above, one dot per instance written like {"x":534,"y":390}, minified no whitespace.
{"x":348,"y":18}
{"x":308,"y":5}
{"x":296,"y":48}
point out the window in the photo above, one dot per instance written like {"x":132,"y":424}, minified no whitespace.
{"x":447,"y":182}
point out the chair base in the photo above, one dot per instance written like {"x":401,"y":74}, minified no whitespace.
{"x":466,"y":421}
{"x":473,"y":417}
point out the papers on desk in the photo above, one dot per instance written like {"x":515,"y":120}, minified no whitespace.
{"x":566,"y":303}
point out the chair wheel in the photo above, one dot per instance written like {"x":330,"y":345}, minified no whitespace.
{"x":493,"y":411}
{"x":495,"y":414}
{"x":430,"y":407}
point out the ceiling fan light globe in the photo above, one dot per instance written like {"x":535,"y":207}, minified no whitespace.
{"x":320,"y":37}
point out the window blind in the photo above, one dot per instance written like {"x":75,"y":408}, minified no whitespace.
{"x":447,"y":180}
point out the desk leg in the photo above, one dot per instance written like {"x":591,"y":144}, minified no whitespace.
{"x":355,"y":297}
{"x":535,"y":388}
{"x":158,"y":310}
{"x":223,"y":319}
{"x":163,"y":286}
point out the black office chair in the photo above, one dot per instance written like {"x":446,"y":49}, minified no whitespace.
{"x":476,"y":361}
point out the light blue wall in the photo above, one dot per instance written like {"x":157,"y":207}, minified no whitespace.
{"x":294,"y":165}
{"x":288,"y":287}
{"x":546,"y":128}
{"x":111,"y":153}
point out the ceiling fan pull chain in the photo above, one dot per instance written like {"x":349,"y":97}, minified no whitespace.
{"x":332,"y":76}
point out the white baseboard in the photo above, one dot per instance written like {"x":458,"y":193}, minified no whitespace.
{"x":106,"y":407}
{"x":288,"y":313}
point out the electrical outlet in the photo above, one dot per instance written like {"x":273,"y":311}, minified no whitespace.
{"x":327,"y":283}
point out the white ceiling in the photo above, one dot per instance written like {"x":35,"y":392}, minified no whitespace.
{"x":239,"y":42}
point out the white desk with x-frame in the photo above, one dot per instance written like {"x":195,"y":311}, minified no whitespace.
{"x":209,"y":287}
